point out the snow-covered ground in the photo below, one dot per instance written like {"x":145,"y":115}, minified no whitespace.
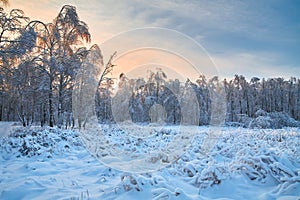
{"x":51,"y":163}
{"x":6,"y":128}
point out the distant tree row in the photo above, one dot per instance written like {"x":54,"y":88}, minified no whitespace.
{"x":244,"y":101}
{"x":271,"y":95}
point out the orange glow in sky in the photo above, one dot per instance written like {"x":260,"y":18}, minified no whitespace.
{"x":249,"y":37}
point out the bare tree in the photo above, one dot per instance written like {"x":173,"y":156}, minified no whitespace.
{"x":55,"y":54}
{"x":86,"y":86}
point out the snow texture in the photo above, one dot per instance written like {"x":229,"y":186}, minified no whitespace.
{"x":52,"y":163}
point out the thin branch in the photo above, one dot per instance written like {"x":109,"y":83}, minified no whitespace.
{"x":108,"y":68}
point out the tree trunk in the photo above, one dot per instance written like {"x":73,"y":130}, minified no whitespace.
{"x":60,"y":102}
{"x":43,"y":115}
{"x":51,"y":111}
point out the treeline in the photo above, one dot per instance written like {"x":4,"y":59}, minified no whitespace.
{"x":39,"y":63}
{"x":270,"y":103}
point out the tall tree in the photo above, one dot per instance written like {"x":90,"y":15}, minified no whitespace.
{"x":56,"y":54}
{"x":15,"y":43}
{"x":83,"y":96}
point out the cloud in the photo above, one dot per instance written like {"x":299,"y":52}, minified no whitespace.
{"x":260,"y":64}
{"x":258,"y":38}
{"x":160,"y":46}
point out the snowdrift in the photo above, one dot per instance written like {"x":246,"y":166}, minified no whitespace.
{"x":244,"y":164}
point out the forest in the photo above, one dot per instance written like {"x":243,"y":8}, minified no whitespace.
{"x":39,"y":62}
{"x":75,"y":124}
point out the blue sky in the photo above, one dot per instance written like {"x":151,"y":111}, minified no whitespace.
{"x":253,"y":38}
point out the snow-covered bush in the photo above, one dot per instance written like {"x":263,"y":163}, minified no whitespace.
{"x":261,"y":122}
{"x":261,"y":112}
{"x":274,"y":120}
{"x":281,"y":119}
{"x":31,"y":142}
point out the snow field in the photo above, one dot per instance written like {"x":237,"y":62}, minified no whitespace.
{"x":244,"y":164}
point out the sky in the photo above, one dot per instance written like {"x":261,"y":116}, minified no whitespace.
{"x":252,"y":38}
